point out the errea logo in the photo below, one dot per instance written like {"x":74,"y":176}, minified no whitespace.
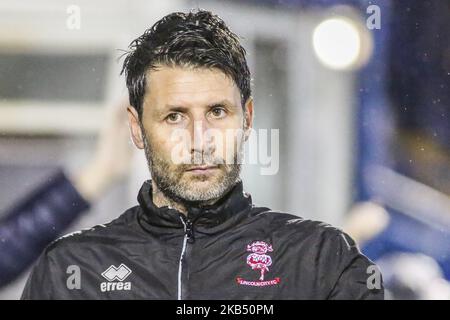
{"x":116,"y":273}
{"x":113,"y":273}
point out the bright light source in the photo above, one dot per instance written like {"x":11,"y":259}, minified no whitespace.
{"x":338,"y":43}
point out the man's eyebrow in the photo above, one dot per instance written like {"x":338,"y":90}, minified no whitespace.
{"x":223,"y":103}
{"x":180,"y":108}
{"x":170,"y":108}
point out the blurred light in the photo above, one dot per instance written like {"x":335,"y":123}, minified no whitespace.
{"x":338,"y":43}
{"x":365,"y":221}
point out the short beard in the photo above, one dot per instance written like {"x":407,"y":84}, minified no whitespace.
{"x":169,"y":181}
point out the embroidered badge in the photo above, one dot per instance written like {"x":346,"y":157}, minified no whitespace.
{"x":258,"y":259}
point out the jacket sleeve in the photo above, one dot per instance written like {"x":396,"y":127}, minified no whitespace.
{"x":358,"y":278}
{"x":40,"y":283}
{"x":36,"y":221}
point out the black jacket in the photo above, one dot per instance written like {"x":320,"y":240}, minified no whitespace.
{"x":231,"y":250}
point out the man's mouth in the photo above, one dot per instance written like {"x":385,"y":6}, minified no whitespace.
{"x":202,"y":169}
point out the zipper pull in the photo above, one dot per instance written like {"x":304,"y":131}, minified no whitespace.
{"x":189,"y":229}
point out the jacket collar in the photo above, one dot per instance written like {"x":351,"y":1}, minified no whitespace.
{"x":235,"y":201}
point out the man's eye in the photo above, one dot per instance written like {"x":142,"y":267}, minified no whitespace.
{"x":218,"y":112}
{"x":173,"y":118}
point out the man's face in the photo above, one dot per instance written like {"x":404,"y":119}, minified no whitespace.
{"x":192,"y":130}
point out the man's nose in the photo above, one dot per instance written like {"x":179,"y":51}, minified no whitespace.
{"x":199,"y":142}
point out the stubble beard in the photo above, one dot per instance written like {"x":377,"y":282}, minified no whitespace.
{"x":171,"y":181}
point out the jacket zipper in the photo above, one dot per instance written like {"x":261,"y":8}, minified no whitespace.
{"x":188,"y":235}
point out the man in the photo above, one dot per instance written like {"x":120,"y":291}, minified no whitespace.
{"x":195,"y":234}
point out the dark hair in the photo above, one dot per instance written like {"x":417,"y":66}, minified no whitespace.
{"x":195,"y":39}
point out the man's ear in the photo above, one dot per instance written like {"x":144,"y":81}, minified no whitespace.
{"x":248,"y":117}
{"x":135,"y":128}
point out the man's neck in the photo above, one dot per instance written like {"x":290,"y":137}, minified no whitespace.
{"x":161,"y":200}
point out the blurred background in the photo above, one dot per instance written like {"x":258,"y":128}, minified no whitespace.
{"x":359,"y":90}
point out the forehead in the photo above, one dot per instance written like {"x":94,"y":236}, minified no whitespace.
{"x":188,"y":85}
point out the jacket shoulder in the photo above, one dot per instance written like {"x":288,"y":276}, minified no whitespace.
{"x":284,"y":222}
{"x":97,"y":234}
{"x":320,"y":236}
{"x":330,"y":252}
